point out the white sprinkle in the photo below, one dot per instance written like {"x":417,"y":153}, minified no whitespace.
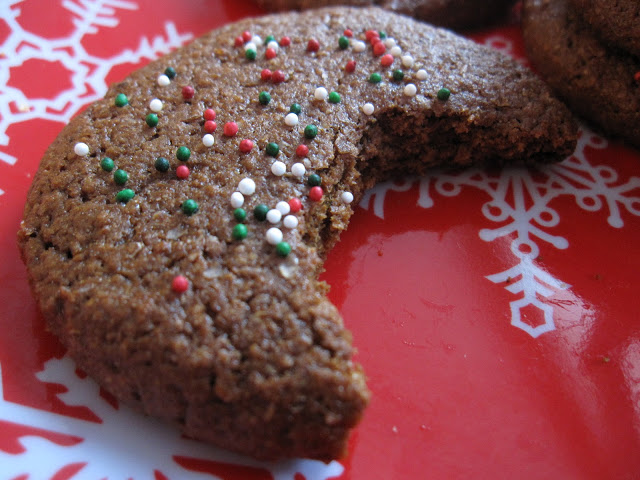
{"x":421,"y":74}
{"x":410,"y":90}
{"x":358,"y":46}
{"x":407,"y":61}
{"x":273,"y":44}
{"x":290,"y":222}
{"x":321,"y":93}
{"x":346,"y":197}
{"x":291,"y":119}
{"x":389,"y":42}
{"x":278,"y":168}
{"x":81,"y":149}
{"x":155,"y":105}
{"x":283,"y":207}
{"x":237,"y":199}
{"x":396,"y":51}
{"x":274,"y":236}
{"x":163,"y":80}
{"x":208,"y":140}
{"x":247,"y":186}
{"x":298,"y":170}
{"x":250,"y":46}
{"x":274,"y":216}
{"x":256,"y":39}
{"x":368,"y":108}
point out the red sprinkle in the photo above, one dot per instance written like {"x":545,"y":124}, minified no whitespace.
{"x":238,"y":41}
{"x":265,"y":75}
{"x":230,"y":129}
{"x":209,"y":114}
{"x":351,"y":66}
{"x":210,"y":126}
{"x":285,"y":41}
{"x":278,"y":76}
{"x":295,"y":205}
{"x":302,"y":150}
{"x":182,"y":172}
{"x":348,"y":32}
{"x":379,"y":49}
{"x":371,"y":34}
{"x":315,"y":194}
{"x":636,"y":77}
{"x":386,"y":60}
{"x":313,"y":45}
{"x":270,"y":53}
{"x":179,"y":284}
{"x":188,"y":92}
{"x":246,"y":145}
{"x":246,"y":35}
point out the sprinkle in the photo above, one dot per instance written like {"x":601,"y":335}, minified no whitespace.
{"x":155,"y":105}
{"x":121,"y":100}
{"x":274,"y":216}
{"x":240,"y":214}
{"x":283,"y":207}
{"x":246,"y":145}
{"x":386,"y":60}
{"x":334,"y":97}
{"x":250,"y":54}
{"x":407,"y":61}
{"x":310,"y":131}
{"x":295,"y":205}
{"x":210,"y":126}
{"x":247,"y":186}
{"x":270,"y":53}
{"x":270,"y":38}
{"x":238,"y":41}
{"x":389,"y":42}
{"x":125,"y":195}
{"x":290,"y":222}
{"x":371,"y":34}
{"x":162,"y":164}
{"x":120,"y":177}
{"x":379,"y":49}
{"x":278,"y":76}
{"x":313,"y":45}
{"x":636,"y":77}
{"x":346,"y":197}
{"x":443,"y":94}
{"x":278,"y":168}
{"x":343,"y":42}
{"x":272,"y":149}
{"x":265,"y":75}
{"x":260,"y":212}
{"x":209,"y":114}
{"x":315,"y":194}
{"x":302,"y":150}
{"x":273,"y":44}
{"x":183,"y":154}
{"x":237,"y":200}
{"x":298,"y":170}
{"x":368,"y":108}
{"x":274,"y":236}
{"x":320,"y":93}
{"x":81,"y":149}
{"x":291,"y":119}
{"x":382,"y":35}
{"x":188,"y":92}
{"x":189,"y":207}
{"x":230,"y":129}
{"x":283,"y":249}
{"x":421,"y":74}
{"x":107,"y":164}
{"x":182,"y":172}
{"x":348,"y":32}
{"x":285,"y":41}
{"x":264,"y":98}
{"x":208,"y":140}
{"x":359,"y":46}
{"x":152,"y":120}
{"x":350,"y":67}
{"x":375,"y":78}
{"x":398,"y":74}
{"x":170,"y":72}
{"x":250,"y":46}
{"x":314,"y":180}
{"x":246,"y":35}
{"x":295,"y":108}
{"x":395,"y":51}
{"x":239,"y":231}
{"x":179,"y":284}
{"x":256,"y":39}
{"x":410,"y":90}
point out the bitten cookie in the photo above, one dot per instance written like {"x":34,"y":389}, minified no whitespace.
{"x":598,"y":83}
{"x":175,"y":230}
{"x":455,"y":14}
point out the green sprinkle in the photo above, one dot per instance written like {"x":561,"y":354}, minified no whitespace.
{"x":310,"y":131}
{"x":343,"y":42}
{"x":170,"y":72}
{"x":375,"y":78}
{"x":152,"y":120}
{"x":125,"y":195}
{"x":240,"y":214}
{"x":189,"y":207}
{"x":120,"y":177}
{"x":283,"y":249}
{"x":183,"y":154}
{"x":270,"y":38}
{"x":264,"y":98}
{"x":107,"y":164}
{"x":273,"y":149}
{"x":398,"y":75}
{"x":382,"y":35}
{"x":334,"y":97}
{"x":239,"y":231}
{"x":295,"y":108}
{"x":260,"y":212}
{"x":314,"y":180}
{"x":121,"y":100}
{"x":162,"y":164}
{"x":443,"y":94}
{"x":250,"y":54}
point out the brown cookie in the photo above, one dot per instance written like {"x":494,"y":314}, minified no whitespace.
{"x":182,"y":273}
{"x":598,"y":83}
{"x":455,"y":14}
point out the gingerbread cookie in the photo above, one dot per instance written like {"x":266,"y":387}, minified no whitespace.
{"x":598,"y":83}
{"x":175,"y":230}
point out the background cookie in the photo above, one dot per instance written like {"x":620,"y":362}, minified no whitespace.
{"x":174,"y":231}
{"x":596,"y":82}
{"x":455,"y":14}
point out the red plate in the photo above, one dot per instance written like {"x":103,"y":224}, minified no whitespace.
{"x":495,"y":313}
